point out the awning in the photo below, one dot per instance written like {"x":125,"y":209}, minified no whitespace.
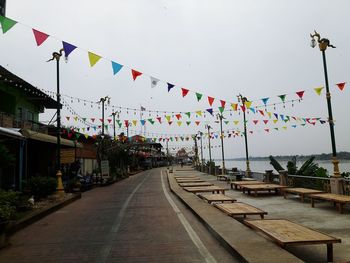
{"x":48,"y":138}
{"x":14,"y":133}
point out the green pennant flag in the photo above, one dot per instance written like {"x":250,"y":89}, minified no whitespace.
{"x":188,"y":123}
{"x":282,"y":97}
{"x":119,"y":123}
{"x":84,"y":119}
{"x":6,"y":23}
{"x":221,"y":109}
{"x":276,"y":129}
{"x":199,"y":96}
{"x":77,"y":135}
{"x":106,"y":127}
{"x":151,"y":121}
{"x":188,"y":114}
{"x":226,"y":122}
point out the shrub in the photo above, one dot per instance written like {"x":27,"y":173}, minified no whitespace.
{"x":7,"y":212}
{"x":41,"y":186}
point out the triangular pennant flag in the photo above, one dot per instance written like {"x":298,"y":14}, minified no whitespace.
{"x":223,"y":103}
{"x":134,"y":122}
{"x":101,"y":120}
{"x":261,"y":112}
{"x":221,"y":109}
{"x":264,"y":100}
{"x":282,"y":97}
{"x":143,"y":122}
{"x":83,"y":129}
{"x":210,"y":100}
{"x":167,"y":117}
{"x":275,"y":121}
{"x":210,"y":111}
{"x":135,"y":74}
{"x":188,"y":114}
{"x":199,"y":96}
{"x":294,"y":126}
{"x":126,"y":122}
{"x":188,"y":123}
{"x":184,"y":92}
{"x":67,"y":118}
{"x":197,"y":122}
{"x":248,"y":104}
{"x":75,"y":118}
{"x":92,"y":119}
{"x":276,"y":115}
{"x":252,"y":109}
{"x":199,"y":113}
{"x":267,"y":130}
{"x":151,"y":121}
{"x":341,"y":85}
{"x":265,"y":121}
{"x":170,"y":86}
{"x":178,"y":116}
{"x":86,"y":136}
{"x":84,"y":119}
{"x":68,"y":48}
{"x":234,"y":106}
{"x":116,"y":67}
{"x":319,"y":90}
{"x":255,"y":122}
{"x":159,"y":119}
{"x":226,"y":122}
{"x":282,"y":117}
{"x":93,"y":58}
{"x":284,"y":127}
{"x":6,"y":23}
{"x":170,"y":122}
{"x":300,"y":94}
{"x":269,"y":114}
{"x":40,"y":37}
{"x":179,"y":123}
{"x":276,"y":129}
{"x":235,"y":122}
{"x":154,"y":82}
{"x":109,"y":120}
{"x":243,"y":108}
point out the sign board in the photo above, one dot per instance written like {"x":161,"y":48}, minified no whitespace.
{"x":67,"y":156}
{"x":105,"y":168}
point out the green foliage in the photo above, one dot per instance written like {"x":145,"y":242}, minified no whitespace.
{"x":8,"y":202}
{"x":308,"y":168}
{"x":321,"y":172}
{"x":291,"y":167}
{"x":42,"y":186}
{"x":7,"y":212}
{"x":275,"y":164}
{"x":6,"y":158}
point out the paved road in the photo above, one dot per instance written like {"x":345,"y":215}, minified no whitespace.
{"x":135,"y":220}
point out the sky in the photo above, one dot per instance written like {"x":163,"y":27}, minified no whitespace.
{"x":217,"y":48}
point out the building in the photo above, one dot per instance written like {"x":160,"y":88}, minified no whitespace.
{"x":2,"y":7}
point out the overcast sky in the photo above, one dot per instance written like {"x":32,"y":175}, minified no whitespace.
{"x":218,"y":48}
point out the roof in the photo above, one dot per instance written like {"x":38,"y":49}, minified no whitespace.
{"x":32,"y":93}
{"x":14,"y":133}
{"x":48,"y":138}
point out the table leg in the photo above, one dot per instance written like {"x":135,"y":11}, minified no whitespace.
{"x":340,"y":207}
{"x":255,"y":193}
{"x":329,"y":252}
{"x":302,"y":198}
{"x":312,"y":202}
{"x":262,"y":216}
{"x":285,"y":194}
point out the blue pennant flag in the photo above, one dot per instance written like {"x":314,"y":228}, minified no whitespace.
{"x":68,"y":48}
{"x":210,"y":111}
{"x":170,"y":86}
{"x":116,"y":67}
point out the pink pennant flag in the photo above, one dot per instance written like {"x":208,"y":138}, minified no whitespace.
{"x":40,"y":37}
{"x":101,"y":120}
{"x":109,"y":120}
{"x":267,"y":130}
{"x":341,"y":86}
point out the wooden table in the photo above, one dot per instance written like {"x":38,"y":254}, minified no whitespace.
{"x":285,"y":232}
{"x":237,"y":208}
{"x":337,"y":200}
{"x":198,"y":189}
{"x":216,"y":198}
{"x":302,"y":192}
{"x":238,"y":184}
{"x":261,"y":188}
{"x":193,"y":184}
{"x":189,"y":180}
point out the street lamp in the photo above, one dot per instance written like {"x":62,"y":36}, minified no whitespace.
{"x":209,"y":127}
{"x":202,"y":160}
{"x":220,"y":117}
{"x":103,"y":100}
{"x":56,"y":56}
{"x":323,"y":44}
{"x":244,"y":100}
{"x":195,"y":150}
{"x":113,"y":114}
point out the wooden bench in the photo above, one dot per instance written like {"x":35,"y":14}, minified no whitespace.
{"x":189,"y":180}
{"x":199,"y":189}
{"x":302,"y":192}
{"x":285,"y":232}
{"x":186,"y":177}
{"x":238,"y":209}
{"x":216,"y":198}
{"x":221,"y":177}
{"x":337,"y":200}
{"x":195,"y":184}
{"x":261,"y":188}
{"x":238,"y":184}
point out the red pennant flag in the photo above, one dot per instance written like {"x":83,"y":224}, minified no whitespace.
{"x":159,"y":119}
{"x":92,"y":119}
{"x":184,"y":92}
{"x":262,"y":112}
{"x":300,"y":94}
{"x":70,"y":135}
{"x":341,"y":86}
{"x":170,"y":122}
{"x":99,"y":126}
{"x":251,"y":132}
{"x":210,"y":100}
{"x":101,"y":120}
{"x":265,"y":121}
{"x":135,"y":74}
{"x":255,"y":121}
{"x":109,"y":120}
{"x":178,"y":116}
{"x":243,"y":108}
{"x":197,"y":122}
{"x":267,"y":130}
{"x":223,"y":103}
{"x":126,"y":123}
{"x":40,"y":37}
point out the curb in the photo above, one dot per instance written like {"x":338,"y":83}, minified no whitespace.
{"x":36,"y":216}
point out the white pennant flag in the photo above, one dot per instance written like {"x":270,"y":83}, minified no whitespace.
{"x":154,"y":82}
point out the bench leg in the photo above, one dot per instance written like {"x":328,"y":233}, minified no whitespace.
{"x":340,"y":207}
{"x":329,"y":252}
{"x":261,"y":216}
{"x":302,"y":198}
{"x":285,"y":194}
{"x":255,"y":193}
{"x":312,"y":202}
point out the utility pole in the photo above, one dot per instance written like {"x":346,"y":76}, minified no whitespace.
{"x":209,"y":127}
{"x":220,"y":117}
{"x":244,"y":100}
{"x":195,"y":150}
{"x":103,"y":100}
{"x":113,"y":114}
{"x":202,"y":160}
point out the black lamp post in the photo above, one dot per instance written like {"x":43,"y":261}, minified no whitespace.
{"x":209,"y":127}
{"x":220,"y":117}
{"x":56,"y":56}
{"x":202,"y":160}
{"x":244,"y":100}
{"x":113,"y":114}
{"x":323,"y":44}
{"x":103,"y":100}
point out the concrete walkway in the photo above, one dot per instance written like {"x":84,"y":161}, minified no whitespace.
{"x":135,"y":220}
{"x":324,"y":217}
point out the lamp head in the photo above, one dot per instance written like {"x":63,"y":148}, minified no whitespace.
{"x":313,"y":42}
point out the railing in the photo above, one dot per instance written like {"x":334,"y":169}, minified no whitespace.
{"x":9,"y":121}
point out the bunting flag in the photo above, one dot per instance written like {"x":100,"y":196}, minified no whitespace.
{"x":269,"y":114}
{"x":210,"y":100}
{"x":151,"y":121}
{"x":236,"y":122}
{"x":67,"y":118}
{"x":93,"y":58}
{"x":243,"y":108}
{"x":76,"y":118}
{"x":210,"y":111}
{"x":170,"y":122}
{"x":234,"y":106}
{"x":223,"y":103}
{"x":226,"y":122}
{"x":178,"y":116}
{"x":159,"y":119}
{"x":188,"y":123}
{"x":197,"y":122}
{"x":184,"y":92}
{"x":221,"y":109}
{"x":6,"y":24}
{"x":248,"y":104}
{"x":188,"y":114}
{"x":135,"y":74}
{"x":84,"y":119}
{"x":267,"y":130}
{"x":116,"y":67}
{"x":170,"y":86}
{"x":276,"y":115}
{"x":264,"y":100}
{"x":86,"y":136}
{"x":154,"y":82}
{"x":300,"y":94}
{"x":275,"y":121}
{"x":341,"y":86}
{"x":109,"y":120}
{"x":40,"y":37}
{"x":134,"y":122}
{"x":265,"y":121}
{"x":199,"y":113}
{"x":255,"y":122}
{"x":319,"y":90}
{"x":143,"y":122}
{"x":179,"y":123}
{"x":92,"y":119}
{"x":101,"y":120}
{"x":282,"y":97}
{"x":252,"y":109}
{"x":167,"y":117}
{"x":199,"y":96}
{"x":126,"y":122}
{"x":261,"y":112}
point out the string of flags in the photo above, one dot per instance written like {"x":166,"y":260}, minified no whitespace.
{"x":40,"y":38}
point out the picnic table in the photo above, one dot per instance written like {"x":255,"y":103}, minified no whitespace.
{"x":338,"y":200}
{"x":237,"y":209}
{"x":238,"y":184}
{"x":302,"y":192}
{"x":261,"y":188}
{"x":192,"y":184}
{"x":216,"y":198}
{"x":198,"y":189}
{"x":285,"y":232}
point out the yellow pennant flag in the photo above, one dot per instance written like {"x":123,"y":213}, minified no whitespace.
{"x":199,"y":113}
{"x":319,"y":90}
{"x":83,"y":129}
{"x":269,"y":114}
{"x":234,"y":106}
{"x":76,"y":118}
{"x":248,"y":104}
{"x":284,"y":127}
{"x":235,"y":122}
{"x":93,"y":58}
{"x":86,"y":135}
{"x":275,"y":121}
{"x":134,"y":122}
{"x":167,"y":117}
{"x":179,"y":123}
